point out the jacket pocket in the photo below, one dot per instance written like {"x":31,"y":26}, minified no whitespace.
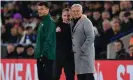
{"x":83,"y":53}
{"x":83,"y":49}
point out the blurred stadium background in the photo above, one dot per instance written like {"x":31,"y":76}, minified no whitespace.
{"x":112,"y":20}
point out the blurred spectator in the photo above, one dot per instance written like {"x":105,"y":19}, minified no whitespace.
{"x":5,"y":11}
{"x":20,"y":51}
{"x":98,"y":6}
{"x":3,"y":34}
{"x":88,"y":9}
{"x":9,"y":9}
{"x":115,"y":23}
{"x":103,"y":40}
{"x":89,"y":13}
{"x":17,"y":18}
{"x":115,"y":29}
{"x":121,"y":54}
{"x":10,"y":51}
{"x":107,"y":6}
{"x":105,"y":15}
{"x":127,"y":23}
{"x":121,"y":16}
{"x":28,"y":36}
{"x":66,"y":5}
{"x":125,"y":5}
{"x":24,"y":8}
{"x":8,"y":26}
{"x":131,"y":51}
{"x":31,"y":21}
{"x":107,"y":30}
{"x":17,"y":8}
{"x":106,"y":25}
{"x":96,"y":20}
{"x":115,"y":10}
{"x":88,"y":5}
{"x":20,"y":31}
{"x":56,"y":8}
{"x":30,"y":51}
{"x":13,"y":37}
{"x":33,"y":7}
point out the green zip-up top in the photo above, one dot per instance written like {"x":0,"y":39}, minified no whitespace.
{"x":46,"y":39}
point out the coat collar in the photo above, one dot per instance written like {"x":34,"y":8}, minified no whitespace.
{"x":79,"y":21}
{"x":46,"y":16}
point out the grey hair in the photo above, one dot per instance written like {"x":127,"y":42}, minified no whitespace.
{"x":77,"y":5}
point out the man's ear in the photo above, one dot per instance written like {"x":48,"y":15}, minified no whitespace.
{"x":48,"y":9}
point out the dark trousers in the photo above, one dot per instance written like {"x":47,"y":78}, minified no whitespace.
{"x":66,"y":62}
{"x":45,"y":69}
{"x":68,"y":70}
{"x":88,"y":76}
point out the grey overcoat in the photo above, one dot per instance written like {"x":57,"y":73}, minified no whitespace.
{"x":83,"y":46}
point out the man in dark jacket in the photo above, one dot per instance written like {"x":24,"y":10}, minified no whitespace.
{"x":64,"y":55}
{"x":10,"y":51}
{"x":45,"y":43}
{"x":20,"y":51}
{"x":121,"y":54}
{"x":30,"y":51}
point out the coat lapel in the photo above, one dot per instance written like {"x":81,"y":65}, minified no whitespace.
{"x":71,"y":26}
{"x":79,"y":21}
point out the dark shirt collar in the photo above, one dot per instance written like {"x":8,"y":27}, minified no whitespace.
{"x":76,"y":19}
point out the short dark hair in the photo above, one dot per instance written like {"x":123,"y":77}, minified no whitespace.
{"x":121,"y":42}
{"x":44,"y":4}
{"x":20,"y":45}
{"x":30,"y":46}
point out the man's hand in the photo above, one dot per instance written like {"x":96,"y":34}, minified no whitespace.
{"x":58,"y":29}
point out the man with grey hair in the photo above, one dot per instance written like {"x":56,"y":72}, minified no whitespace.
{"x":83,"y":44}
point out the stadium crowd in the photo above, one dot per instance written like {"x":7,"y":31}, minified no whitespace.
{"x":111,"y":19}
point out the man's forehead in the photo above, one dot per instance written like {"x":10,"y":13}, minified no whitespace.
{"x":76,"y":7}
{"x":66,"y":12}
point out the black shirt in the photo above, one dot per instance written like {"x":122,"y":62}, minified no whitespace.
{"x":75,"y":21}
{"x":64,"y":42}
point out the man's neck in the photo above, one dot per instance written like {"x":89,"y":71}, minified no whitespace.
{"x":42,"y":17}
